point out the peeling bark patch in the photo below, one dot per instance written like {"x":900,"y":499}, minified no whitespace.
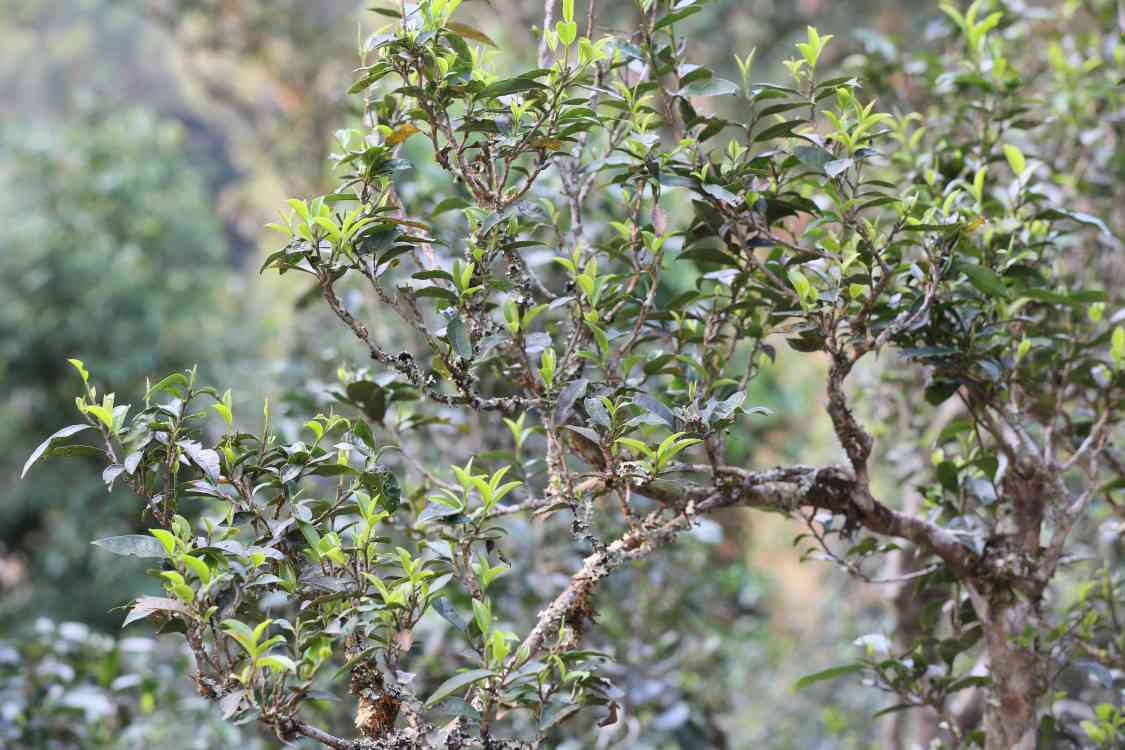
{"x":378,"y":709}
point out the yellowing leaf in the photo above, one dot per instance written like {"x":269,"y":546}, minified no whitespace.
{"x":466,"y":31}
{"x":975,"y":224}
{"x":401,"y":134}
{"x":277,"y":663}
{"x":550,"y":144}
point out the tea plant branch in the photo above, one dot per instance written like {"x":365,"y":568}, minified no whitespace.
{"x":405,"y":363}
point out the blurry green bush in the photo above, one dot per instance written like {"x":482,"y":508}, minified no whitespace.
{"x":110,"y":247}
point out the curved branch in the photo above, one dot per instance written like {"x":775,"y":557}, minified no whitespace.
{"x":831,"y":488}
{"x":652,"y":532}
{"x":835,"y":489}
{"x":324,"y":738}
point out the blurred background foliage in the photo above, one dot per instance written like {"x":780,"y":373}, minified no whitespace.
{"x":111,"y":240}
{"x":143,"y":146}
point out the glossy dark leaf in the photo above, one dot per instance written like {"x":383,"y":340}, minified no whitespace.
{"x":677,"y":16}
{"x":984,"y":279}
{"x":779,"y":130}
{"x":511,"y":86}
{"x":568,"y":398}
{"x":813,"y":156}
{"x":446,"y":609}
{"x":458,"y":336}
{"x":653,"y":406}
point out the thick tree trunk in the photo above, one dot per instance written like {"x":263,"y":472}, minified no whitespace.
{"x":1009,"y":610}
{"x":1018,"y":682}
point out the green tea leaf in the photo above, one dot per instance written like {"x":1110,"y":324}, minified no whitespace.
{"x":985,"y":279}
{"x":457,"y":682}
{"x":1015,"y":159}
{"x":135,"y":545}
{"x":47,"y":444}
{"x":828,"y":674}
